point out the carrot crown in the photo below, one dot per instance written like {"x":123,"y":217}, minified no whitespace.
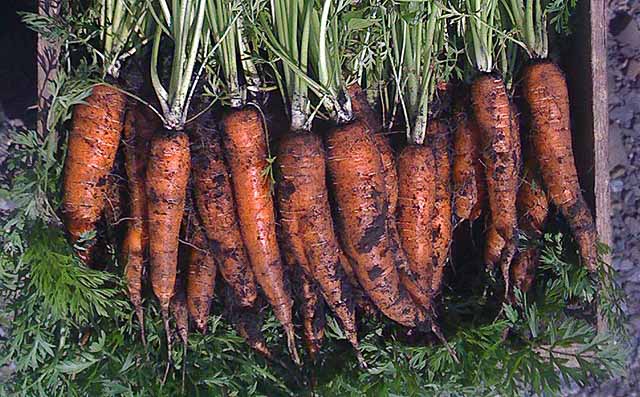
{"x":184,"y":22}
{"x":418,"y":60}
{"x":122,"y":31}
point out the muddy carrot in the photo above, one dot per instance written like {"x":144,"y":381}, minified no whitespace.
{"x":246,"y":150}
{"x":93,"y":143}
{"x":216,"y":206}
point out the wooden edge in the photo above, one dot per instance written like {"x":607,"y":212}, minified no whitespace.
{"x":600,"y":110}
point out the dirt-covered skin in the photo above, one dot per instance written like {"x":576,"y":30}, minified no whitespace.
{"x":138,"y":130}
{"x":438,"y":139}
{"x":307,"y":225}
{"x":466,"y":156}
{"x":545,"y":90}
{"x":246,"y":152}
{"x":93,"y":143}
{"x":201,"y":273}
{"x":355,"y":170}
{"x":216,"y":206}
{"x":493,"y":114}
{"x":417,"y":186}
{"x":166,"y":181}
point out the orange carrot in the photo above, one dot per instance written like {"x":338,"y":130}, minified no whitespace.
{"x":166,"y":180}
{"x":201,"y":273}
{"x":355,"y":170}
{"x":441,"y":225}
{"x":138,"y":131}
{"x":92,"y":147}
{"x":545,"y":90}
{"x":493,"y":114}
{"x":247,"y":322}
{"x":466,"y":166}
{"x":216,"y":206}
{"x":246,"y":149}
{"x":308,"y":227}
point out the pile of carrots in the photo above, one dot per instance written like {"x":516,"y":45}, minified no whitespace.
{"x":350,"y":222}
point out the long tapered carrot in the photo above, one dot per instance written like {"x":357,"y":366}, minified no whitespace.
{"x":493,"y":114}
{"x":138,"y":131}
{"x":355,"y":170}
{"x":306,"y":217}
{"x":216,"y":206}
{"x":201,"y":273}
{"x":93,"y":143}
{"x":166,"y":181}
{"x":545,"y":90}
{"x":441,"y":226}
{"x":246,"y":149}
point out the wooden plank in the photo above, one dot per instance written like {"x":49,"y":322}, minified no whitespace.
{"x":47,"y":64}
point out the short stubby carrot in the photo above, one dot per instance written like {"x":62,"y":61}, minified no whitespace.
{"x":217,"y":208}
{"x":307,"y":224}
{"x":93,"y":143}
{"x":438,"y":139}
{"x":179,"y":311}
{"x":417,"y":188}
{"x":201,"y":273}
{"x":355,"y":170}
{"x":466,"y":158}
{"x":246,"y":149}
{"x":533,"y":210}
{"x":138,"y":132}
{"x":166,"y":181}
{"x":545,"y":90}
{"x":493,"y":114}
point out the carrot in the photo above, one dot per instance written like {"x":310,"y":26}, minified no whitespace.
{"x":493,"y":114}
{"x":115,"y":209}
{"x":417,"y":189}
{"x":247,"y":322}
{"x":545,"y":90}
{"x":138,"y":130}
{"x":92,"y":147}
{"x":441,"y":225}
{"x":307,"y":224}
{"x":313,"y":315}
{"x":166,"y":180}
{"x":415,"y":282}
{"x":246,"y":148}
{"x":179,"y":311}
{"x":533,"y":209}
{"x":467,"y":168}
{"x":216,"y":206}
{"x":201,"y":273}
{"x":362,"y":301}
{"x":355,"y":170}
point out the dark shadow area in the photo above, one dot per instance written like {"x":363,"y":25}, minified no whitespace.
{"x":18,"y":80}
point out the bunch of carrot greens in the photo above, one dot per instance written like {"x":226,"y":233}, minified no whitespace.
{"x":332,"y":208}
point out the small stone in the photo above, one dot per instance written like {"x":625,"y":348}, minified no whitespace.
{"x":617,"y":185}
{"x":625,"y":265}
{"x":633,"y":225}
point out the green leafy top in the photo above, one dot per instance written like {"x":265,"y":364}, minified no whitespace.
{"x":531,"y":20}
{"x":419,"y":61}
{"x":184,"y":22}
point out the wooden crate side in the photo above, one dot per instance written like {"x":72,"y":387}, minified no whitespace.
{"x":585,"y":66}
